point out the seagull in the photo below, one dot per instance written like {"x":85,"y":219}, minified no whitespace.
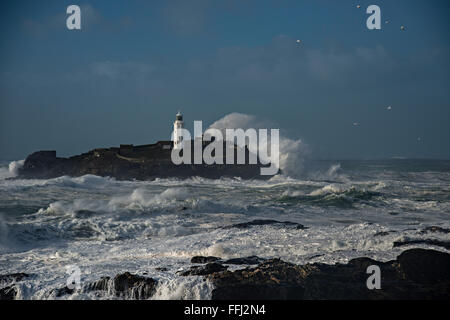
{"x":298,"y":41}
{"x":389,"y":107}
{"x":355,"y":123}
{"x":402,"y":28}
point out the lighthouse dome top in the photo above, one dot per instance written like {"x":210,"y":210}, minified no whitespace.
{"x":179,"y":116}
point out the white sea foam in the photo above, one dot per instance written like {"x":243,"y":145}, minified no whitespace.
{"x":108,"y":227}
{"x":12,"y":170}
{"x":292,"y":152}
{"x":330,"y":188}
{"x":183,"y":288}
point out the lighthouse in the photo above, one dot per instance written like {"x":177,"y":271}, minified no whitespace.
{"x":177,"y":131}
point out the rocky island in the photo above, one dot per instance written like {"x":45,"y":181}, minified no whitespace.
{"x":128,"y":162}
{"x":144,"y":162}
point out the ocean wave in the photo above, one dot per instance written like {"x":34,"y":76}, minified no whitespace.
{"x":341,"y":196}
{"x":12,"y":170}
{"x":292,"y":153}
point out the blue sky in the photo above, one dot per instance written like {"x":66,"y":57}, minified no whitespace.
{"x":122,"y":78}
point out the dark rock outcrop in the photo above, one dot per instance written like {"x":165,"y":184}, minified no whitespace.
{"x":128,"y":162}
{"x":8,"y":293}
{"x":124,"y":285}
{"x":264,"y":222}
{"x":102,"y":284}
{"x":424,"y":266}
{"x":245,"y":260}
{"x":9,"y":290}
{"x":237,"y":261}
{"x":13,"y":277}
{"x":133,"y":286}
{"x":383,"y":233}
{"x":202,"y":259}
{"x":415,"y":274}
{"x":162,"y":269}
{"x":204,"y":270}
{"x":62,"y":292}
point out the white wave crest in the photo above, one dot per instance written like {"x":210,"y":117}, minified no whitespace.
{"x":139,"y":199}
{"x":12,"y":170}
{"x":183,"y":288}
{"x":292,"y":152}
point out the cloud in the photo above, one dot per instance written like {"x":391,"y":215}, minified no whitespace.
{"x":275,"y":71}
{"x":282,"y":65}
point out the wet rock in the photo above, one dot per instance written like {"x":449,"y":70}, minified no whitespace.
{"x":62,"y":292}
{"x":263,"y":222}
{"x":8,"y":293}
{"x":13,"y":277}
{"x":383,"y":233}
{"x":125,"y":285}
{"x":415,"y":274}
{"x":245,"y":260}
{"x":209,"y":268}
{"x":424,"y":266}
{"x":163,"y":269}
{"x":133,"y":286}
{"x":433,"y":242}
{"x":102,"y":284}
{"x":202,"y":259}
{"x":272,"y":279}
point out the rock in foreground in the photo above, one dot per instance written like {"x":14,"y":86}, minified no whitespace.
{"x":415,"y":274}
{"x":265,"y":222}
{"x":123,"y":285}
{"x":209,"y":268}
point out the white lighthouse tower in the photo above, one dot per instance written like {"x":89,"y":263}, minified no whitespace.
{"x":177,"y":131}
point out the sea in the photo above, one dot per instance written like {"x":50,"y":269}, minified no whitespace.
{"x":349,"y":208}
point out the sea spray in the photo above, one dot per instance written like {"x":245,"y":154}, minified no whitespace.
{"x":12,"y":170}
{"x":292,"y":152}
